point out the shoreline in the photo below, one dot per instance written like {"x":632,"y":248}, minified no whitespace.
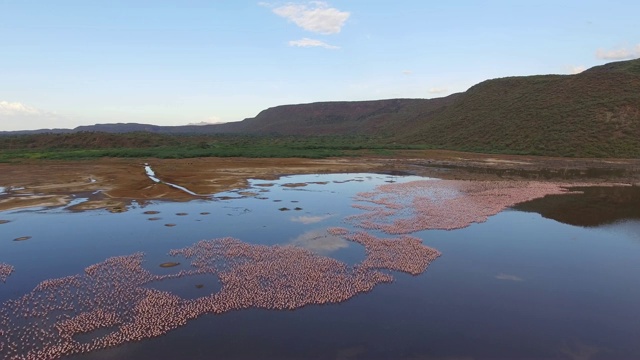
{"x":113,"y":183}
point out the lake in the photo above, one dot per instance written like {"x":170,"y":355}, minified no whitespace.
{"x":554,"y":277}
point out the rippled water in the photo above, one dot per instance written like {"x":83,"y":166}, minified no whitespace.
{"x":517,"y":286}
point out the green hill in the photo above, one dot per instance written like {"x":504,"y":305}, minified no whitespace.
{"x":376,"y":117}
{"x":592,"y":114}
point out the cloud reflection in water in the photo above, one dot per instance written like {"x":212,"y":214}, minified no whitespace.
{"x":319,"y":242}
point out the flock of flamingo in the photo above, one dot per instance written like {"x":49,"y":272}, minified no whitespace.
{"x":5,"y":271}
{"x":405,"y":208}
{"x":114,"y":302}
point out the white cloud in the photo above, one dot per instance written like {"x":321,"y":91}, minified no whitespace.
{"x":619,"y":54}
{"x":17,"y":108}
{"x":314,"y":16}
{"x":306,"y":42}
{"x":407,"y":72}
{"x":576,"y":69}
{"x":438,"y":90}
{"x":20,"y":116}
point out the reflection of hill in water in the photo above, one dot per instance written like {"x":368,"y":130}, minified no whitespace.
{"x":597,"y":206}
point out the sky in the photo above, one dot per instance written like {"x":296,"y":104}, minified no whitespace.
{"x":67,"y":63}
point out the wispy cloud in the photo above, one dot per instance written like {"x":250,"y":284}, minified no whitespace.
{"x":310,"y":219}
{"x":619,"y":54}
{"x":306,"y":42}
{"x":438,"y":90}
{"x":17,"y":108}
{"x":576,"y":69}
{"x":20,"y":116}
{"x":315,"y":16}
{"x":407,"y":72}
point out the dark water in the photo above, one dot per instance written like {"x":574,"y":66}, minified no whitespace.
{"x":526,"y":284}
{"x":596,"y":206}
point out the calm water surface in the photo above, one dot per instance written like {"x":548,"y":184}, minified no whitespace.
{"x":521,"y":285}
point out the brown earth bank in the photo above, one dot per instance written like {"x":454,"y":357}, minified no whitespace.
{"x":114,"y":183}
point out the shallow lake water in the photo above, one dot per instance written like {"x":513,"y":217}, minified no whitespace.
{"x":520,"y":285}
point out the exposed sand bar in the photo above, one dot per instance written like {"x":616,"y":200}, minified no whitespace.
{"x":50,"y":183}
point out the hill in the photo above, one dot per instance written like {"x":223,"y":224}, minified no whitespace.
{"x":380,"y":117}
{"x":377,"y":117}
{"x":592,"y":114}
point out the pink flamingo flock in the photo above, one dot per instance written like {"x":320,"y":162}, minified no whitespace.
{"x":114,"y":296}
{"x":442,"y":204}
{"x":5,"y":271}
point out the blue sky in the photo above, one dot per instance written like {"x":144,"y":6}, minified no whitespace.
{"x":66,"y":63}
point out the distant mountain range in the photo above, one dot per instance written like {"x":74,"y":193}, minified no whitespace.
{"x":594,"y":113}
{"x":323,"y":118}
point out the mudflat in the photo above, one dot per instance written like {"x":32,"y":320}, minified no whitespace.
{"x":112,"y":183}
